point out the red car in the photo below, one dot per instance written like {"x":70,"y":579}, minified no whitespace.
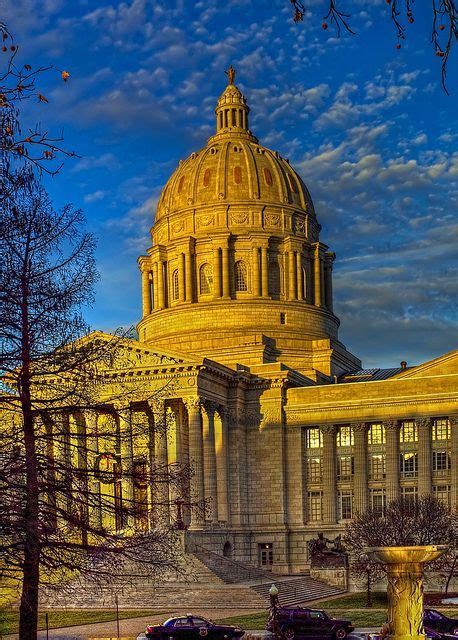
{"x":191,"y":627}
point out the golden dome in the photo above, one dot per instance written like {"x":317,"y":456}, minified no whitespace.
{"x":234,"y":168}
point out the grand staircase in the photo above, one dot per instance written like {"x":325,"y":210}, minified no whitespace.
{"x":207,"y":580}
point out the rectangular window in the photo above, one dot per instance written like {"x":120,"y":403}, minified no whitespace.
{"x":441,"y":429}
{"x":345,"y":467}
{"x":314,"y":469}
{"x":345,"y":505}
{"x":409,"y":493}
{"x":441,"y":461}
{"x":408,"y":432}
{"x":315,"y":506}
{"x":377,"y":466}
{"x":378,"y":501}
{"x":314,"y":438}
{"x":345,"y":436}
{"x":409,"y":464}
{"x":442,"y":493}
{"x":377,"y":434}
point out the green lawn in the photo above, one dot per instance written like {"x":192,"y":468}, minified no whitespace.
{"x":9,"y":618}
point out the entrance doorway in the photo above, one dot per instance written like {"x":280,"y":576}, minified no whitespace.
{"x":266,"y":556}
{"x":227,"y":550}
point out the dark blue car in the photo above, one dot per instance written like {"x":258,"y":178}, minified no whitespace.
{"x":191,"y":627}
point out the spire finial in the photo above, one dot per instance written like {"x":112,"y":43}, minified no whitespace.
{"x":230,"y":74}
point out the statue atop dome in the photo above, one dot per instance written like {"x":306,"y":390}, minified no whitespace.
{"x":230,"y":74}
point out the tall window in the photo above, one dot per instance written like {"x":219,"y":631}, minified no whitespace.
{"x":206,"y":279}
{"x":441,"y":429}
{"x":377,"y":466}
{"x":274,"y":278}
{"x":345,"y":467}
{"x":345,"y":505}
{"x":376,"y":434}
{"x":409,"y":493}
{"x":408,"y":432}
{"x":314,"y":506}
{"x":345,"y":436}
{"x":314,"y":438}
{"x":441,"y":461}
{"x":314,"y":469}
{"x":241,"y":276}
{"x":442,"y":493}
{"x":378,"y":501}
{"x":175,"y":285}
{"x":409,"y":464}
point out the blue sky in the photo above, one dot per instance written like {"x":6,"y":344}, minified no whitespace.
{"x":367,"y":126}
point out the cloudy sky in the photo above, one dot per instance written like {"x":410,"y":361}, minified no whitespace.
{"x":367,"y":125}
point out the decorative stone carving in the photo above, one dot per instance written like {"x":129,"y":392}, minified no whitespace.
{"x":300,"y":224}
{"x":193,"y":404}
{"x":423,"y":423}
{"x":272,"y":219}
{"x":178,"y":226}
{"x":328,"y":428}
{"x":239,"y":218}
{"x":359,"y":426}
{"x":206,"y":221}
{"x":390,"y":424}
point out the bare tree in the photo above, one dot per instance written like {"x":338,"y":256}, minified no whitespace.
{"x":422,"y":521}
{"x":62,"y":507}
{"x":444,"y":23}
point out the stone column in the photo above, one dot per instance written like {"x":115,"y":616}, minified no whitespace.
{"x":181,"y":277}
{"x":392,"y":460}
{"x":193,"y":406}
{"x":160,"y":477}
{"x":189,"y":276}
{"x":360,"y":456}
{"x":155,"y":287}
{"x":95,"y":515}
{"x":160,"y":285}
{"x":146,"y":293}
{"x":317,"y":276}
{"x":216,"y":273}
{"x":265,"y":273}
{"x":127,"y":459}
{"x":222,"y":467}
{"x":226,"y":271}
{"x":454,"y":451}
{"x":300,"y":287}
{"x":330,"y":257}
{"x":211,"y":495}
{"x":291,"y":276}
{"x":329,"y":474}
{"x":256,"y":273}
{"x":425,"y":462}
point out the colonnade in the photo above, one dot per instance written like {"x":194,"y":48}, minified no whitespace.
{"x":304,"y":273}
{"x":423,"y":478}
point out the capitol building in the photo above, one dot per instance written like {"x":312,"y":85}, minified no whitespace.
{"x":238,"y":352}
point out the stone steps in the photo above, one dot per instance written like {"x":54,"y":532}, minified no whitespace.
{"x":297,"y":590}
{"x":228,"y":570}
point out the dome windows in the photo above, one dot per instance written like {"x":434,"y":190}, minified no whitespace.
{"x":241,"y":276}
{"x":180,"y":184}
{"x":175,"y":285}
{"x":267,"y":177}
{"x":238,"y":175}
{"x":205,"y":279}
{"x":292,"y":183}
{"x":207,"y":176}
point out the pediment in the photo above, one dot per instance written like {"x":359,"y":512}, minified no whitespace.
{"x":441,"y":366}
{"x":128,"y":353}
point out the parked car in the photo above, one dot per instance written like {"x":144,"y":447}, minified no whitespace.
{"x":297,"y":622}
{"x":191,"y":627}
{"x":437,"y":625}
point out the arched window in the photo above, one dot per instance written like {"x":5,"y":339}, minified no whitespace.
{"x":205,"y":279}
{"x":292,"y":183}
{"x":238,"y":175}
{"x":241,"y":276}
{"x":207,"y":175}
{"x":267,"y":177}
{"x":181,"y":184}
{"x":175,"y":285}
{"x":274,"y":279}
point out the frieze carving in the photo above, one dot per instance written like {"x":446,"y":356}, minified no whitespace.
{"x":178,"y":226}
{"x":206,"y":221}
{"x":273,"y":219}
{"x":300,"y":224}
{"x":423,"y":423}
{"x":239,"y":218}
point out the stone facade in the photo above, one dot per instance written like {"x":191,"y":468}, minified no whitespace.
{"x":238,"y":354}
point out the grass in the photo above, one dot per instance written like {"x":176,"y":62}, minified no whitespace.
{"x":9,"y":618}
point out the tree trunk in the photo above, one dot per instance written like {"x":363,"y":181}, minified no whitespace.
{"x":368,"y":591}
